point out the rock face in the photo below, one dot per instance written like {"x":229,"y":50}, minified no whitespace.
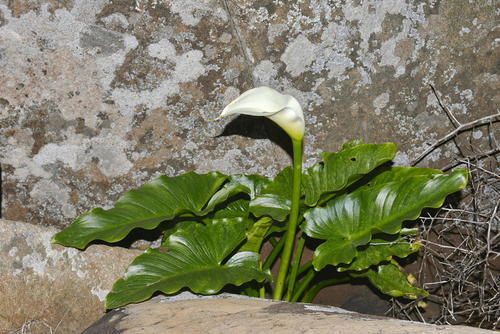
{"x":49,"y":288}
{"x":234,"y":314}
{"x":99,"y":96}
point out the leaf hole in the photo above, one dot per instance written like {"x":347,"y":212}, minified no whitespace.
{"x":353,"y":159}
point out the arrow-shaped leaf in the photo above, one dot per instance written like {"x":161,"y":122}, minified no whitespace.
{"x":274,"y":199}
{"x":238,"y":208}
{"x":338,"y":170}
{"x":348,"y":221}
{"x":146,"y":207}
{"x":196,"y":259}
{"x":248,"y":184}
{"x":379,"y":250}
{"x":256,"y":235}
{"x":401,"y":174}
{"x":391,"y":281}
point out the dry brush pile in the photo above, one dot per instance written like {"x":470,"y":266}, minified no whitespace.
{"x":459,"y":261}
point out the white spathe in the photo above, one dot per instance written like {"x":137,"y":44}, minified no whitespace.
{"x":282,"y":109}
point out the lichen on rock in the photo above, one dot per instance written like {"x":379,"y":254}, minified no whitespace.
{"x":99,"y":96}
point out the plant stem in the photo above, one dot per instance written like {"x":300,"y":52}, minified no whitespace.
{"x":304,"y":267}
{"x":274,"y":254}
{"x":262,"y":292}
{"x":292,"y":223}
{"x":313,"y":291}
{"x":295,"y":268}
{"x":303,"y":284}
{"x":273,"y":242}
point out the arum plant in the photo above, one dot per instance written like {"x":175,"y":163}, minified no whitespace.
{"x":358,"y":207}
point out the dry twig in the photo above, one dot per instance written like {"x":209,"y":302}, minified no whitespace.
{"x":463,"y":127}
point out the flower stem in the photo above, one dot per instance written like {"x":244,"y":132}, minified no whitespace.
{"x":292,"y":223}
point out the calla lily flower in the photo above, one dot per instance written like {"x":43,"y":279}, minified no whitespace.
{"x":282,"y":109}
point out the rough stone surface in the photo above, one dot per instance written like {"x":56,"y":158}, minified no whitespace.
{"x":233,"y":314}
{"x":98,"y":96}
{"x":46,"y":287}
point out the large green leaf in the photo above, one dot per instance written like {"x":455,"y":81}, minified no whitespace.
{"x":379,"y":250}
{"x":400,"y":174}
{"x":339,"y":170}
{"x":348,"y":221}
{"x":146,"y":207}
{"x":182,"y":225}
{"x":237,"y":208}
{"x":275,"y":198}
{"x":196,"y":260}
{"x":391,"y":281}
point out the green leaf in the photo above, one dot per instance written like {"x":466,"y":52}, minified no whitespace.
{"x":401,"y":174}
{"x":146,"y":207}
{"x":277,"y":227}
{"x":248,"y":184}
{"x":256,"y":235}
{"x":182,"y":225}
{"x":348,"y":221}
{"x":341,"y":169}
{"x":196,"y":260}
{"x":238,"y":208}
{"x":352,"y":143}
{"x":379,"y":250}
{"x":253,"y":183}
{"x":391,"y":281}
{"x":275,"y":198}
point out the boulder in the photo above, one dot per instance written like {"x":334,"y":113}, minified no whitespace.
{"x":188,"y":313}
{"x":46,"y":287}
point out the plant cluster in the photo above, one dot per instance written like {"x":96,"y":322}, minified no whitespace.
{"x":353,"y":204}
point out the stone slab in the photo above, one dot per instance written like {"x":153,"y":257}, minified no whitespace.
{"x":234,"y":314}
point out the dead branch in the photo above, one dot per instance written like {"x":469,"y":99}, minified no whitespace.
{"x":463,"y":127}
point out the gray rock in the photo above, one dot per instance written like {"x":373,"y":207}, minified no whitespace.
{"x":47,"y":287}
{"x":100,"y":96}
